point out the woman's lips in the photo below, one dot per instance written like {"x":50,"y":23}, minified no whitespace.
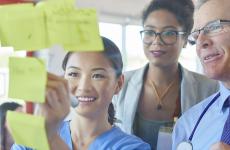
{"x":157,"y":53}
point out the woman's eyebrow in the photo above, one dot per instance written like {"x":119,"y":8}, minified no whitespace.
{"x":170,"y":26}
{"x":98,"y":69}
{"x":73,"y":67}
{"x":165,"y":27}
{"x":149,"y":26}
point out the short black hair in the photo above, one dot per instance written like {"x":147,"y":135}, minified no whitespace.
{"x":112,"y":52}
{"x":182,"y":9}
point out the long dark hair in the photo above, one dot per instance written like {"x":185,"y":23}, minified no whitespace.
{"x":112,"y":52}
{"x":3,"y":109}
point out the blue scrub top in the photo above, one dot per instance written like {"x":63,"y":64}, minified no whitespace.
{"x":112,"y":139}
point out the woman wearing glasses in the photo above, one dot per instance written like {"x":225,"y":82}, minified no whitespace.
{"x":153,"y":95}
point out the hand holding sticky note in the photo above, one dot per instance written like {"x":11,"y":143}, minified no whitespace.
{"x":27,"y":79}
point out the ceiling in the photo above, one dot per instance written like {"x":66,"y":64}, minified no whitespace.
{"x":116,"y":11}
{"x":112,"y":11}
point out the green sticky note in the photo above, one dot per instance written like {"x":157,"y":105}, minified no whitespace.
{"x":75,"y":30}
{"x":27,"y":79}
{"x":28,"y":130}
{"x":23,"y":27}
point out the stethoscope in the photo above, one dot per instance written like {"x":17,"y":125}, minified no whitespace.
{"x":187,"y":145}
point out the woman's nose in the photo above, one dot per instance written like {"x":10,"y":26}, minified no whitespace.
{"x":156,"y":40}
{"x":83,"y":84}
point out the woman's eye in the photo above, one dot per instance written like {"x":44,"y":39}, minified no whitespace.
{"x":149,"y":33}
{"x":98,"y":76}
{"x":73,"y":74}
{"x":169,"y":33}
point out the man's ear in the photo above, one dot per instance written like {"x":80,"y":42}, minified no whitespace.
{"x":120,"y":82}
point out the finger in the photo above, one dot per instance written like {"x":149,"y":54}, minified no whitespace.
{"x":53,"y":77}
{"x":52,"y":99}
{"x":60,"y":89}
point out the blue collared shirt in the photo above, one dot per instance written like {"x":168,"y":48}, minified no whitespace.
{"x":210,"y":128}
{"x":113,"y":139}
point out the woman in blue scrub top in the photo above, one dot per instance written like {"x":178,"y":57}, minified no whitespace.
{"x":93,"y":77}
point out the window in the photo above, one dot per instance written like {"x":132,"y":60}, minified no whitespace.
{"x":134,"y":50}
{"x":113,"y":32}
{"x":189,"y":59}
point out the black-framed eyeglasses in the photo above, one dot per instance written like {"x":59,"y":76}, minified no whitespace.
{"x":168,"y":37}
{"x":210,"y":29}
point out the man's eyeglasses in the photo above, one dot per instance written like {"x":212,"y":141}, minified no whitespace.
{"x":167,"y":37}
{"x":212,"y":28}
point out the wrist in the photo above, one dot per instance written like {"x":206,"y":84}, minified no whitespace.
{"x":56,"y":143}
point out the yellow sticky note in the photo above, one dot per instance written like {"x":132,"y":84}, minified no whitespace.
{"x":23,"y":27}
{"x":27,"y":79}
{"x":28,"y":130}
{"x":16,"y":6}
{"x":60,"y":4}
{"x":75,"y":30}
{"x":87,"y":31}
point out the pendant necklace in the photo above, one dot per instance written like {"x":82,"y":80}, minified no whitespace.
{"x":161,"y":97}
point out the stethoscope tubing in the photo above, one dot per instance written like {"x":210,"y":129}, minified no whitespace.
{"x":187,"y":145}
{"x":202,"y":115}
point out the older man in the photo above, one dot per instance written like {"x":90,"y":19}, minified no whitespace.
{"x":207,"y":124}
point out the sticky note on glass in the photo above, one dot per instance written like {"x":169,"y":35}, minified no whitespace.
{"x":60,"y":4}
{"x":27,"y":79}
{"x":75,"y":30}
{"x":23,"y":27}
{"x":28,"y":130}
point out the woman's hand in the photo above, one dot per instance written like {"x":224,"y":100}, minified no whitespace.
{"x":57,"y":104}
